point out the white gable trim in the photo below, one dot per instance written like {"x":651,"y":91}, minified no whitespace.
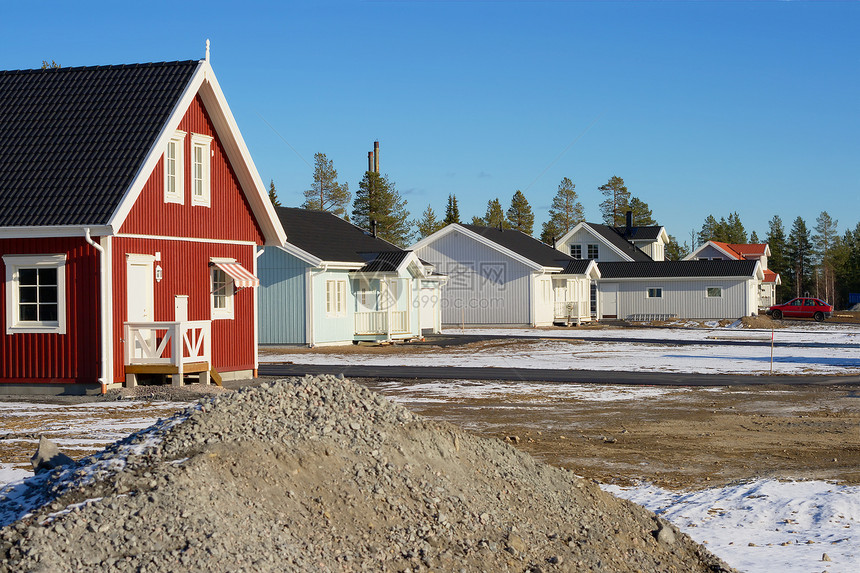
{"x":454,"y":227}
{"x":203,"y":82}
{"x":590,"y":230}
{"x":692,"y":256}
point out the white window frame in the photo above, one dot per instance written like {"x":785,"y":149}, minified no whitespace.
{"x":177,"y":143}
{"x":595,"y":248}
{"x":658,"y":292}
{"x":578,"y":248}
{"x":708,"y":293}
{"x":335,"y":297}
{"x":227,"y":311}
{"x":203,"y":144}
{"x":13,"y":264}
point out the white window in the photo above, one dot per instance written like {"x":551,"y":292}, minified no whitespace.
{"x":222,"y":294}
{"x":200,"y":169}
{"x":655,"y":292}
{"x":335,"y":298}
{"x":35,"y":293}
{"x":714,"y":292}
{"x":174,"y":172}
{"x":576,"y":251}
{"x":592,"y":252}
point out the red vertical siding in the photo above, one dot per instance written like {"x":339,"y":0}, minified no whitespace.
{"x":228,"y":218}
{"x":66,"y":358}
{"x":185,"y":267}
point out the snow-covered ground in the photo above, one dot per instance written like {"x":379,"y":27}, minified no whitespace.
{"x":581,"y":353}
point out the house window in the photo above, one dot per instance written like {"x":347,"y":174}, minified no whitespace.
{"x":35,"y":293}
{"x":222,"y":294}
{"x":592,"y":252}
{"x":576,"y":251}
{"x":174,"y":180}
{"x":335,"y":298}
{"x":714,"y":292}
{"x":200,"y":169}
{"x":655,"y":292}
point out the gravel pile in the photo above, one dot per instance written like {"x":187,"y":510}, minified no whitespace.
{"x":320,"y":474}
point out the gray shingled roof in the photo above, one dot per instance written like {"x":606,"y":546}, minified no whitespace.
{"x":675,"y":269}
{"x":639,"y":233}
{"x":72,"y":139}
{"x":523,"y":245}
{"x":616,"y":239}
{"x":576,"y":267}
{"x":330,"y":238}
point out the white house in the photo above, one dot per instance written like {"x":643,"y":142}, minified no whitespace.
{"x":505,"y":277}
{"x":598,"y":242}
{"x":716,"y":250}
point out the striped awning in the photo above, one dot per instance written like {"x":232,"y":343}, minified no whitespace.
{"x":242,"y":278}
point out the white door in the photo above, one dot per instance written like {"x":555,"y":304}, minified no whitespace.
{"x":141,"y":295}
{"x":427,"y":299}
{"x":609,"y":299}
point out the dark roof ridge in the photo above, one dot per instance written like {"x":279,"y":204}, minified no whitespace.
{"x":100,"y":67}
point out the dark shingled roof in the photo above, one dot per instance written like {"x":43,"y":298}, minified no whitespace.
{"x":675,"y":269}
{"x":576,"y":267}
{"x":523,"y":245}
{"x":639,"y":233}
{"x":387,"y":261}
{"x":616,"y":239}
{"x":72,"y":139}
{"x":330,"y":238}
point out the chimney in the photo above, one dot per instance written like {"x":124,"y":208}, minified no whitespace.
{"x":373,"y":227}
{"x":376,"y":156}
{"x":629,"y":228}
{"x":370,"y":161}
{"x":553,"y":241}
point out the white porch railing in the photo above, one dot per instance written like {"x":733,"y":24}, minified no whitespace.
{"x":377,"y":322}
{"x":168,"y":343}
{"x":571,"y":310}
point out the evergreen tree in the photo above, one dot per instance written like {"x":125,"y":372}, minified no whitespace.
{"x":754,"y":240}
{"x":520,"y":214}
{"x":452,"y":211}
{"x":847,"y":263}
{"x":676,"y":251}
{"x":564,"y":214}
{"x":799,"y":249}
{"x":617,"y":201}
{"x":326,"y":194}
{"x":378,"y":200}
{"x":734,"y":230}
{"x":495,"y":216}
{"x":273,"y":194}
{"x":427,"y":224}
{"x":52,"y":66}
{"x":824,"y":240}
{"x":778,"y":261}
{"x":710,"y":231}
{"x":478,"y":221}
{"x":642,"y":215}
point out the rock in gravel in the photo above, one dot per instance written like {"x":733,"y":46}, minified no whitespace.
{"x":48,"y":456}
{"x":320,"y":474}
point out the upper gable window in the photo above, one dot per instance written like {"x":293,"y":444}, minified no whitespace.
{"x":576,"y":251}
{"x":200,"y":145}
{"x":174,"y":175}
{"x":35,"y":293}
{"x":592,"y":252}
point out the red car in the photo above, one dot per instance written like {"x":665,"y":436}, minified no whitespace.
{"x":802,"y":307}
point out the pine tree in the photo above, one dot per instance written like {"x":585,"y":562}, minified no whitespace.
{"x":326,"y":194}
{"x":710,"y":230}
{"x":754,"y":240}
{"x":799,"y":248}
{"x":675,"y":251}
{"x":494,"y":217}
{"x":520,"y":214}
{"x":427,"y":224}
{"x":273,"y":194}
{"x":617,"y":201}
{"x":778,"y":261}
{"x":564,"y":214}
{"x":452,"y":211}
{"x":52,"y":66}
{"x":642,"y":215}
{"x":378,"y":200}
{"x":734,"y":229}
{"x":824,"y":240}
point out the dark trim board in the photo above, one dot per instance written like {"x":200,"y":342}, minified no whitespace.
{"x":541,"y":375}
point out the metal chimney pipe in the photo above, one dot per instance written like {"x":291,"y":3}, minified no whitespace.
{"x":370,"y":161}
{"x":373,"y":227}
{"x":629,"y":222}
{"x":376,"y":156}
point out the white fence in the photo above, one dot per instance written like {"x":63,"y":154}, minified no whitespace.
{"x":378,"y":322}
{"x":572,"y":311}
{"x":173,"y":343}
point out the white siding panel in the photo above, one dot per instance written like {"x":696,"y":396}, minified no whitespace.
{"x":685,"y":298}
{"x":484,"y":286}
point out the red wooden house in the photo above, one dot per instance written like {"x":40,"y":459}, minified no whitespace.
{"x":130,"y":219}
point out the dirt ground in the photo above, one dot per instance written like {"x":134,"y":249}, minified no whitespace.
{"x":688,"y":439}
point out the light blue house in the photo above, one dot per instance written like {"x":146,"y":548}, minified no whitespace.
{"x":334,"y":283}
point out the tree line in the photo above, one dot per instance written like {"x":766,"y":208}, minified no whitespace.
{"x":820,"y":262}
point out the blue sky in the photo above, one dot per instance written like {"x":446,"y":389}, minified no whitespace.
{"x":701,"y":107}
